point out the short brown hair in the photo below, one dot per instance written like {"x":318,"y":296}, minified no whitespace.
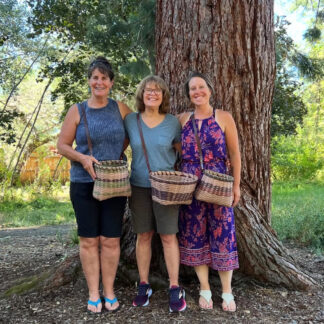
{"x":160,"y":83}
{"x":103,"y":65}
{"x":195,"y":74}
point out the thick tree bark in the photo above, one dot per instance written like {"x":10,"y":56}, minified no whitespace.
{"x":233,"y":42}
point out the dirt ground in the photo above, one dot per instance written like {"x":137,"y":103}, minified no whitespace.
{"x":27,"y":252}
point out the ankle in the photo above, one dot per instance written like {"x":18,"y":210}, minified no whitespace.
{"x":205,"y":287}
{"x":174,"y":284}
{"x":109,"y":293}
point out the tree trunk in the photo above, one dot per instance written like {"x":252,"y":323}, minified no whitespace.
{"x":233,"y":42}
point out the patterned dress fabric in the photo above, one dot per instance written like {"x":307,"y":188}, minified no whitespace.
{"x":206,"y":231}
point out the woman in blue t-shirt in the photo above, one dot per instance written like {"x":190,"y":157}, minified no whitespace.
{"x":161,"y":132}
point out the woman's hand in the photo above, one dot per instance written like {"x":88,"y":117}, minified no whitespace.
{"x":236,"y":195}
{"x":87,"y":163}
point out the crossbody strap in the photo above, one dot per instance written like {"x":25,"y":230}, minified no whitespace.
{"x":192,"y":117}
{"x":143,"y":143}
{"x":228,"y":161}
{"x":86,"y":127}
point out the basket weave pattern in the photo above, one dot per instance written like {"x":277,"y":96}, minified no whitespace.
{"x":216,"y":188}
{"x":112,"y":180}
{"x":173,"y":187}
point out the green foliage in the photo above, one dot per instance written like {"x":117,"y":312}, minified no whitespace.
{"x":121,"y":31}
{"x":293,"y":159}
{"x":302,"y":156}
{"x":7,"y":132}
{"x":287,"y":108}
{"x":34,"y":205}
{"x":16,"y":49}
{"x":298,"y":212}
{"x":18,"y":54}
{"x":308,"y":67}
{"x":316,"y":8}
{"x":3,"y":167}
{"x":74,"y":237}
{"x":313,"y":34}
{"x":124,"y":32}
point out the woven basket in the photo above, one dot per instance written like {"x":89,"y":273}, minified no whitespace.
{"x":216,"y":188}
{"x":173,"y":187}
{"x":112,"y":180}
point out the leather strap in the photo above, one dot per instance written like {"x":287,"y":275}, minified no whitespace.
{"x":143,"y":143}
{"x":192,"y":117}
{"x":86,"y":127}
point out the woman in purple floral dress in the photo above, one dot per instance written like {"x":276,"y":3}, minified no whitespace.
{"x":207,"y":231}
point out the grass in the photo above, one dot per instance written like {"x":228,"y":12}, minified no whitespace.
{"x":297,"y":210}
{"x":298,"y":213}
{"x":26,"y":206}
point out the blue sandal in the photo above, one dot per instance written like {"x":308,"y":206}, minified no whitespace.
{"x":112,"y":302}
{"x":94,"y":303}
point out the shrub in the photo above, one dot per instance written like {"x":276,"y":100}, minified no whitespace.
{"x":293,"y":159}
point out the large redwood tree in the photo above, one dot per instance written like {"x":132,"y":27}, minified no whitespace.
{"x":233,"y":42}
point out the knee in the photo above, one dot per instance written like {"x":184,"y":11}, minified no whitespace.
{"x":109,"y":243}
{"x":145,"y":238}
{"x":89,"y":243}
{"x":169,"y":240}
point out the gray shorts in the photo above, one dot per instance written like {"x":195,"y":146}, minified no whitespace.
{"x":148,"y":215}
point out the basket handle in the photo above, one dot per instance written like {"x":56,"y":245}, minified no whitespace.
{"x":143,"y":142}
{"x":86,"y":127}
{"x":192,"y":117}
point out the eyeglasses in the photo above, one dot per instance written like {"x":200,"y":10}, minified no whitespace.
{"x":153,"y":91}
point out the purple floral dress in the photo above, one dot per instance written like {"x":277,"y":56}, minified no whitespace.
{"x":206,"y":231}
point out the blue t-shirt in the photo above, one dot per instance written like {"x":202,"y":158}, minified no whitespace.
{"x":159,"y":142}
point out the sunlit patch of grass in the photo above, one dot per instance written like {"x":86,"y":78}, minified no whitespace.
{"x":298,"y":213}
{"x":25,"y":206}
{"x":74,"y":238}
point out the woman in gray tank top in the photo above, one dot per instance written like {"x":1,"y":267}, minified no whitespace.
{"x":99,"y":222}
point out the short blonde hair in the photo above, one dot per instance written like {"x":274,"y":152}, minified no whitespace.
{"x":160,"y":83}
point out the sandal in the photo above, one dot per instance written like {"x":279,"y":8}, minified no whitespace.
{"x":206,"y":294}
{"x":93,"y":303}
{"x":112,"y":302}
{"x":227,"y":298}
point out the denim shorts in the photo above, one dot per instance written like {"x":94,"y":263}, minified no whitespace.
{"x":94,"y":217}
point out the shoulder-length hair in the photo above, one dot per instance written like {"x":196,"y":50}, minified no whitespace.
{"x":195,"y":74}
{"x":160,"y":84}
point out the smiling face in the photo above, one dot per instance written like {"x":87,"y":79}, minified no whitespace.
{"x":100,"y":84}
{"x":199,"y":91}
{"x":152,"y":95}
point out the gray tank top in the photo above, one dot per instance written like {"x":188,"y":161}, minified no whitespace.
{"x":107,"y":135}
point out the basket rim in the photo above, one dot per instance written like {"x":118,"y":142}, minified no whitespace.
{"x":219,"y":176}
{"x":191,"y":178}
{"x":107,"y":164}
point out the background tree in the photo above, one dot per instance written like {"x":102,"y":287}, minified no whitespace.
{"x":122,"y":31}
{"x":233,"y":42}
{"x":314,"y":30}
{"x":125,"y":33}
